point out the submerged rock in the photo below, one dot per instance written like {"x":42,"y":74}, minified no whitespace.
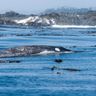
{"x":58,"y":72}
{"x":53,"y":68}
{"x":66,"y":69}
{"x":58,"y":60}
{"x":10,"y":61}
{"x":71,"y":69}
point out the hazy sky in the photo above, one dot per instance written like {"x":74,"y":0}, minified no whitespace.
{"x":36,"y":6}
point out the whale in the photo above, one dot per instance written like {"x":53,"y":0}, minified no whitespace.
{"x":32,"y":50}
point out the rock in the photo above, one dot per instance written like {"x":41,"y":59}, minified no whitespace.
{"x":53,"y":68}
{"x":58,"y":72}
{"x":58,"y":60}
{"x":70,"y":69}
{"x":10,"y":61}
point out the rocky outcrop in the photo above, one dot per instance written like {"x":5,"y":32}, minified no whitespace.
{"x":88,"y":18}
{"x":53,"y":18}
{"x":36,"y":21}
{"x":6,"y":21}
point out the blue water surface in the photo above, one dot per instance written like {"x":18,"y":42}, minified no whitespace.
{"x":33,"y":75}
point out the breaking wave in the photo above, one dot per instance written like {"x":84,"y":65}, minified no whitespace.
{"x":73,"y":26}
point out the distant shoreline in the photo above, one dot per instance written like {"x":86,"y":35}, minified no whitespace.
{"x":67,"y":18}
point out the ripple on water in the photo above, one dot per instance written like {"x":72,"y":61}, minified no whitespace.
{"x":32,"y":76}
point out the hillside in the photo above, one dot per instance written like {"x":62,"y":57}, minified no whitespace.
{"x":63,"y":17}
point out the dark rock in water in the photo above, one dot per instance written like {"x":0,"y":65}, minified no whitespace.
{"x":70,"y":69}
{"x":31,"y":50}
{"x":53,"y":68}
{"x":58,"y":72}
{"x":93,"y":46}
{"x":58,"y":60}
{"x":10,"y":61}
{"x":6,"y":35}
{"x":14,"y":61}
{"x":66,"y":69}
{"x":23,"y":34}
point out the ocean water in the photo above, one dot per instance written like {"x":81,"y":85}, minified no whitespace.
{"x":33,"y":75}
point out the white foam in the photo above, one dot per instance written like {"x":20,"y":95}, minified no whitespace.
{"x":73,"y":26}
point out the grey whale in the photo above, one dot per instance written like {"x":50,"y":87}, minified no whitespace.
{"x":31,"y":50}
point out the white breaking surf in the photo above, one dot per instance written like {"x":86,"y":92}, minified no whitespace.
{"x":73,"y":26}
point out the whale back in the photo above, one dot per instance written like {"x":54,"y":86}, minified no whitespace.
{"x":34,"y":49}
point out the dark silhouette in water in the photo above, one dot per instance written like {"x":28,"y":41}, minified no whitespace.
{"x":53,"y":68}
{"x":58,"y":72}
{"x":66,"y":69}
{"x":58,"y":60}
{"x":71,"y":69}
{"x":10,"y":61}
{"x":31,"y":50}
